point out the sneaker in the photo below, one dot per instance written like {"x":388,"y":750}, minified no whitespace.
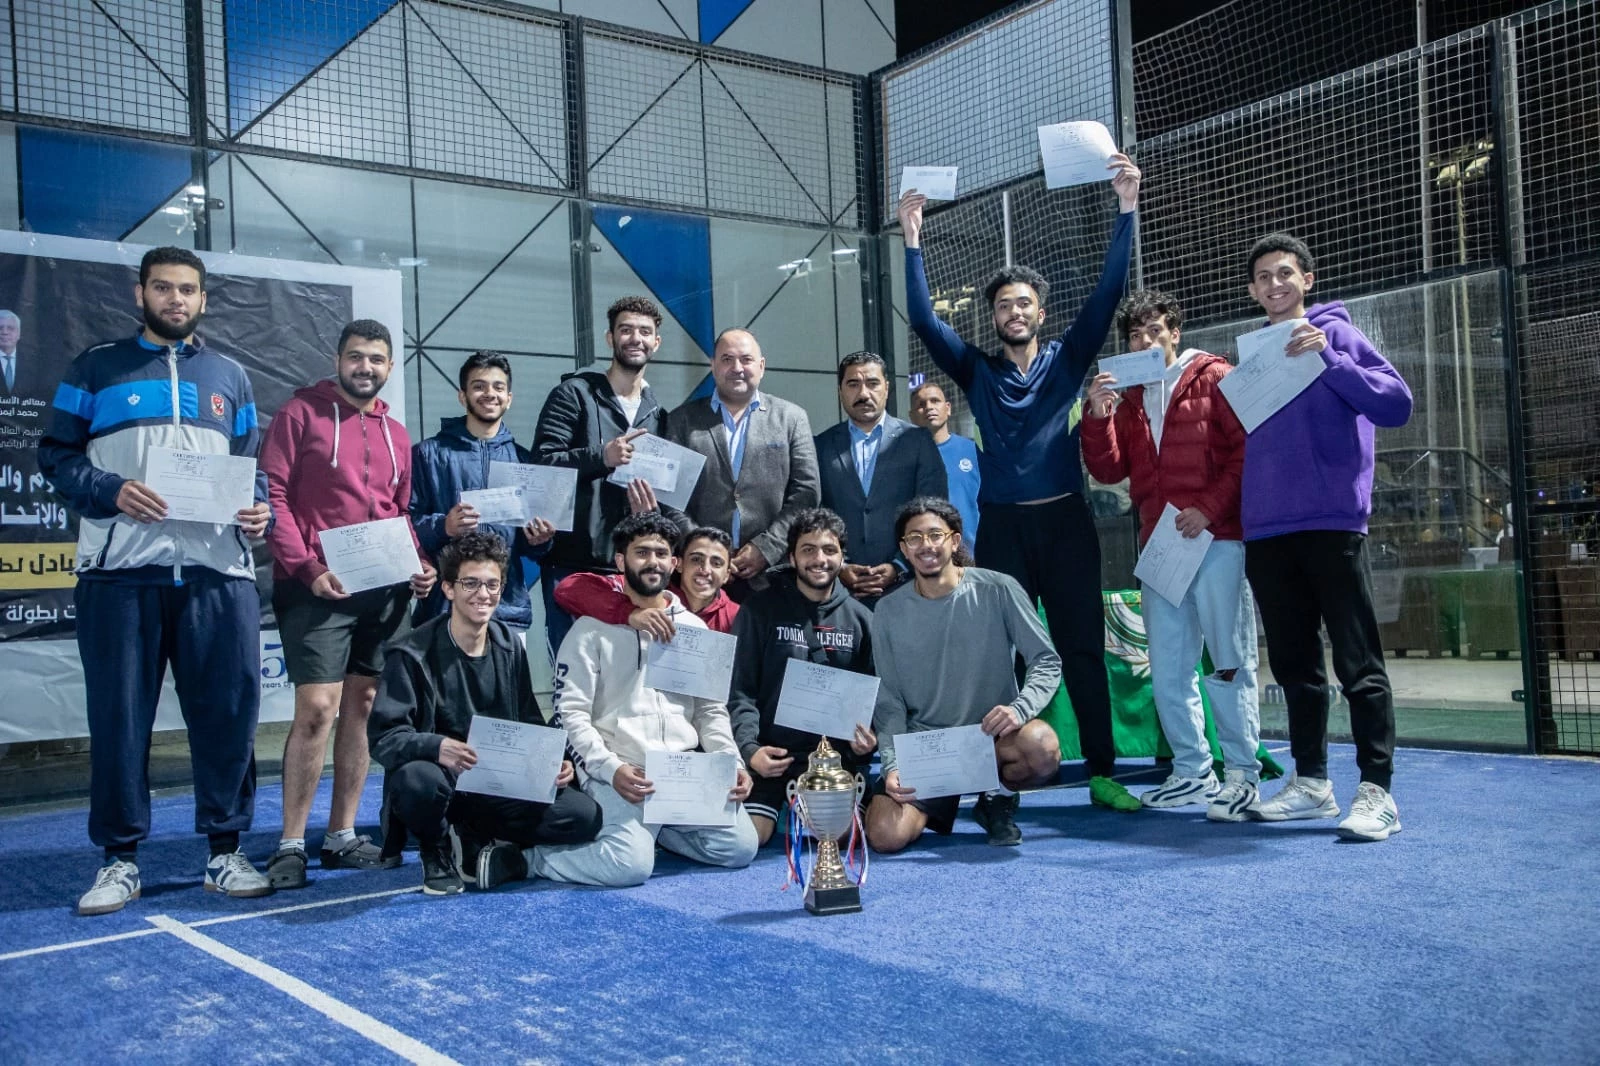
{"x":359,"y":854}
{"x":439,"y":874}
{"x":1373,"y":815}
{"x":287,"y":868}
{"x":465,"y":849}
{"x":233,"y":875}
{"x":996,"y":813}
{"x":498,"y":864}
{"x":1233,"y":801}
{"x":1104,"y":792}
{"x":1178,"y":791}
{"x":1302,"y":797}
{"x":115,"y":884}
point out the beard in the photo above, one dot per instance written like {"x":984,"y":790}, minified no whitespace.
{"x":810,"y":582}
{"x":361,"y":389}
{"x":646,"y":582}
{"x":169,"y":331}
{"x":1026,"y":338}
{"x":631,"y":360}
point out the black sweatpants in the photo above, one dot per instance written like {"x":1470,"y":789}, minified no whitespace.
{"x":422,"y":795}
{"x":209,"y":630}
{"x":1304,"y":581}
{"x":1053,"y":551}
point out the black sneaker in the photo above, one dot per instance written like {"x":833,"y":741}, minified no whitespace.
{"x":468,"y":848}
{"x":287,"y":869}
{"x":439,"y":874}
{"x":359,"y":854}
{"x":499,"y":863}
{"x":997,"y":814}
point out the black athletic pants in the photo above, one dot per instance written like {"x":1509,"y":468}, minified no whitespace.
{"x":423,"y":796}
{"x":1053,"y":551}
{"x":1304,"y":581}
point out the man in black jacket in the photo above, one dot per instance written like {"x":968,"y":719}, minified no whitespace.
{"x":434,"y":681}
{"x":808,"y":615}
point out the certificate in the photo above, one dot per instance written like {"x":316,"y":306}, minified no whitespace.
{"x":695,"y":662}
{"x":673,"y":481}
{"x":1075,"y":153}
{"x":947,"y":762}
{"x":691,"y":788}
{"x":825,"y":700}
{"x":1170,"y":560}
{"x":1265,"y":381}
{"x":371,"y":555}
{"x":1274,"y":339}
{"x":548,"y":492}
{"x":516,"y":760}
{"x":1135,"y":368}
{"x":201,"y":486}
{"x":936,"y":183}
{"x":502,"y":506}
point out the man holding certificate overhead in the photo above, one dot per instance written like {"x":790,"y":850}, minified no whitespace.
{"x":618,"y":724}
{"x":1182,"y":450}
{"x":437,"y":682}
{"x":945,"y":646}
{"x":1026,"y":400}
{"x":1306,"y":497}
{"x":456,"y":459}
{"x":805,"y":616}
{"x":339,"y":472}
{"x":153,"y":590}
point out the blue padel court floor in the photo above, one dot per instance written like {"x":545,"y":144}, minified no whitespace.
{"x":1105,"y":938}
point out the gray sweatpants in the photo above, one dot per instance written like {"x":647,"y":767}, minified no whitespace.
{"x":624,"y":853}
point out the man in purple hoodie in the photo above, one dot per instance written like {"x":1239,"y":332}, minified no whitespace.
{"x":1307,"y":493}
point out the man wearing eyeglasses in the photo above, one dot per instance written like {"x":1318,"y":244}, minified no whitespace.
{"x":435,"y":680}
{"x":945,"y":647}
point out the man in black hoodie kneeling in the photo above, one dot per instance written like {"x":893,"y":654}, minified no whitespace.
{"x":803,"y":614}
{"x":434,"y":681}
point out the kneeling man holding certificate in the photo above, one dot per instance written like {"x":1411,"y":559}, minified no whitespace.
{"x":662,"y":765}
{"x":945,"y":646}
{"x":459,"y":732}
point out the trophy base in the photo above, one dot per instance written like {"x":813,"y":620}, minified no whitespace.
{"x":845,"y":900}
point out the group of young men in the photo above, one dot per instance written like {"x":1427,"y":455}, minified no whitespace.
{"x":853,"y":549}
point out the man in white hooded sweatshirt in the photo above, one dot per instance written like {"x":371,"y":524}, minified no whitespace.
{"x":613,"y":718}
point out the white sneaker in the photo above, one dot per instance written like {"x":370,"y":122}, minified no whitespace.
{"x":1373,"y":815}
{"x":233,"y":875}
{"x":1302,"y":797}
{"x":115,"y":884}
{"x":1233,"y":802}
{"x":1178,"y":791}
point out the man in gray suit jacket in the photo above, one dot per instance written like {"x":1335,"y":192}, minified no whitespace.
{"x":871,"y":464}
{"x":761,"y":467}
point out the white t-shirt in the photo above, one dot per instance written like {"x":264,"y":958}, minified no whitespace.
{"x":1158,"y":395}
{"x":631,"y":407}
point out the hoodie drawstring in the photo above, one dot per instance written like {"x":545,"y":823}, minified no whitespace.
{"x":336,"y":435}
{"x":394,"y":464}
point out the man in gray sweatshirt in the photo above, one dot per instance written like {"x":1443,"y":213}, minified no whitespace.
{"x":945,"y":646}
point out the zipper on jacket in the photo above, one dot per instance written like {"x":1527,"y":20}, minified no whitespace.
{"x":177,"y":425}
{"x":366,"y":469}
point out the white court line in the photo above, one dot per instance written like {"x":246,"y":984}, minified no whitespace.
{"x":385,"y":1036}
{"x":48,"y":948}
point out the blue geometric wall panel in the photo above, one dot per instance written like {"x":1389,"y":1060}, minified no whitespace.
{"x":718,"y":15}
{"x":671,"y":254}
{"x":89,"y":185}
{"x":274,"y":44}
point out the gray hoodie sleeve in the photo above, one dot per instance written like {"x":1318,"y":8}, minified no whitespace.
{"x":1028,"y":636}
{"x":889,"y":716}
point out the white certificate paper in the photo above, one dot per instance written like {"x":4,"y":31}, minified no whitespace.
{"x":548,"y":492}
{"x":695,"y":662}
{"x":1075,"y":153}
{"x":691,"y":788}
{"x":371,"y":555}
{"x":1265,"y":381}
{"x":200,"y":486}
{"x":1170,"y":560}
{"x":1273,"y":339}
{"x":947,"y":762}
{"x":502,"y":506}
{"x":517,"y":760}
{"x":825,"y":700}
{"x":936,"y":183}
{"x":1135,"y":368}
{"x":672,"y":470}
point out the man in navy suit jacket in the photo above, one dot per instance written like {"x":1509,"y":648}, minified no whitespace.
{"x":871,"y":464}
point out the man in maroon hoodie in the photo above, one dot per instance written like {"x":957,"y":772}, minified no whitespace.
{"x":1178,"y":442}
{"x":705,"y":553}
{"x":334,"y":458}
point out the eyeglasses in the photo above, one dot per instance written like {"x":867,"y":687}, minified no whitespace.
{"x":933,"y":538}
{"x":469,"y":585}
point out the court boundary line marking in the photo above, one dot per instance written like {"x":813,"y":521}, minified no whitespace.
{"x":380,"y":1033}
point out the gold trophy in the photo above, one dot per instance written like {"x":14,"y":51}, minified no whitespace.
{"x":826,"y":797}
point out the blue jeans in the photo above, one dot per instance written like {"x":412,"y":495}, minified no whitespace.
{"x":1217,"y":613}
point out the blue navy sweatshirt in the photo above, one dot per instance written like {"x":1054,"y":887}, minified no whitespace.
{"x":1029,"y":422}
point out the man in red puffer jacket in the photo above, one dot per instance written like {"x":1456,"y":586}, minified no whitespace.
{"x":1178,"y":442}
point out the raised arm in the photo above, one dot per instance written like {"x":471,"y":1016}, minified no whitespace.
{"x":953,"y":355}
